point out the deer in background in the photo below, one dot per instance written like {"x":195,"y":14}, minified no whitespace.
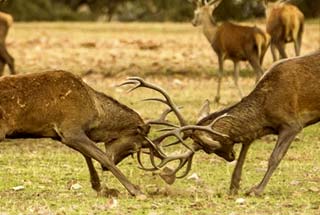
{"x":231,"y":41}
{"x":285,"y":23}
{"x":6,"y":21}
{"x":59,"y":105}
{"x":285,"y":100}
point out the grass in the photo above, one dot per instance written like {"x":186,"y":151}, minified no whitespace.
{"x":178,"y":58}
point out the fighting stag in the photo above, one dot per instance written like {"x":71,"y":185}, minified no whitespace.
{"x":285,"y":100}
{"x":231,"y":41}
{"x":59,"y":105}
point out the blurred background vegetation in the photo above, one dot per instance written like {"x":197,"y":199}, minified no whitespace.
{"x":136,"y":10}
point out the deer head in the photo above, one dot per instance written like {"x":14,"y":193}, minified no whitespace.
{"x":202,"y":11}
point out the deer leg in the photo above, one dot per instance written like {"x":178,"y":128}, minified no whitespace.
{"x":285,"y":138}
{"x":297,"y":43}
{"x":236,"y":77}
{"x":236,"y":175}
{"x":281,"y":48}
{"x":217,"y":98}
{"x":274,"y":53}
{"x":254,"y":62}
{"x":2,"y":64}
{"x":7,"y":58}
{"x":94,"y":177}
{"x":81,"y":143}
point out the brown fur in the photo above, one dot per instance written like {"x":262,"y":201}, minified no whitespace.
{"x":6,"y":21}
{"x":285,"y":23}
{"x":61,"y":106}
{"x":285,"y":100}
{"x":231,"y":41}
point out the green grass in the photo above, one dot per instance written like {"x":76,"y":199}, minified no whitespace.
{"x":185,"y":66}
{"x":47,"y":168}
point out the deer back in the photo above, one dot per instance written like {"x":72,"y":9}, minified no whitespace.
{"x":238,"y":42}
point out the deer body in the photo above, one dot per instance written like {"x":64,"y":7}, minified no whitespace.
{"x":61,"y":106}
{"x":285,"y":23}
{"x":285,"y":100}
{"x":6,"y":21}
{"x":233,"y":42}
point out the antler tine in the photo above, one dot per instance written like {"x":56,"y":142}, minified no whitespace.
{"x":172,"y":132}
{"x":207,"y":128}
{"x":181,"y":158}
{"x":156,"y":99}
{"x":189,"y":160}
{"x":162,"y":119}
{"x":171,"y":144}
{"x":169,"y":102}
{"x":156,"y":147}
{"x":212,"y":2}
{"x":184,"y":158}
{"x":142,"y":166}
{"x":137,"y":85}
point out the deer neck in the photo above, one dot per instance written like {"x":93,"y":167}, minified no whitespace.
{"x":246,"y":122}
{"x":271,"y":6}
{"x":209,"y":28}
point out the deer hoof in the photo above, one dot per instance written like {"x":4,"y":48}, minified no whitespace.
{"x":255,"y":191}
{"x":233,"y":191}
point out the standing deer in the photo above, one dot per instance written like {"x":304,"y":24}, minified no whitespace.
{"x":284,"y":101}
{"x":231,"y":41}
{"x":6,"y":21}
{"x":284,"y":24}
{"x":59,"y":105}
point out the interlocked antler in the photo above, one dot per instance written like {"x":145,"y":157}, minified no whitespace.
{"x":171,"y":130}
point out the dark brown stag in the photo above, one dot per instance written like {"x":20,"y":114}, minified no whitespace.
{"x":5,"y":58}
{"x":61,"y":106}
{"x":231,"y":41}
{"x":285,"y":100}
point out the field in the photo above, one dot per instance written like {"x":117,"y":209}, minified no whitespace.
{"x":38,"y":175}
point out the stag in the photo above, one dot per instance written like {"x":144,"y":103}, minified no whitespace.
{"x":284,"y":101}
{"x":59,"y":105}
{"x":6,"y":21}
{"x":284,"y":24}
{"x":231,"y":41}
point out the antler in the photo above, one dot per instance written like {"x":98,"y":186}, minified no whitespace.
{"x":139,"y":82}
{"x":185,"y":158}
{"x":162,"y":119}
{"x":211,"y":2}
{"x":171,"y":131}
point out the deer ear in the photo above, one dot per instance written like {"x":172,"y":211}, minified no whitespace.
{"x":204,"y":110}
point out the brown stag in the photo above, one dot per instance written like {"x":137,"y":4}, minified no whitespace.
{"x":284,"y":101}
{"x":59,"y":105}
{"x":231,"y":41}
